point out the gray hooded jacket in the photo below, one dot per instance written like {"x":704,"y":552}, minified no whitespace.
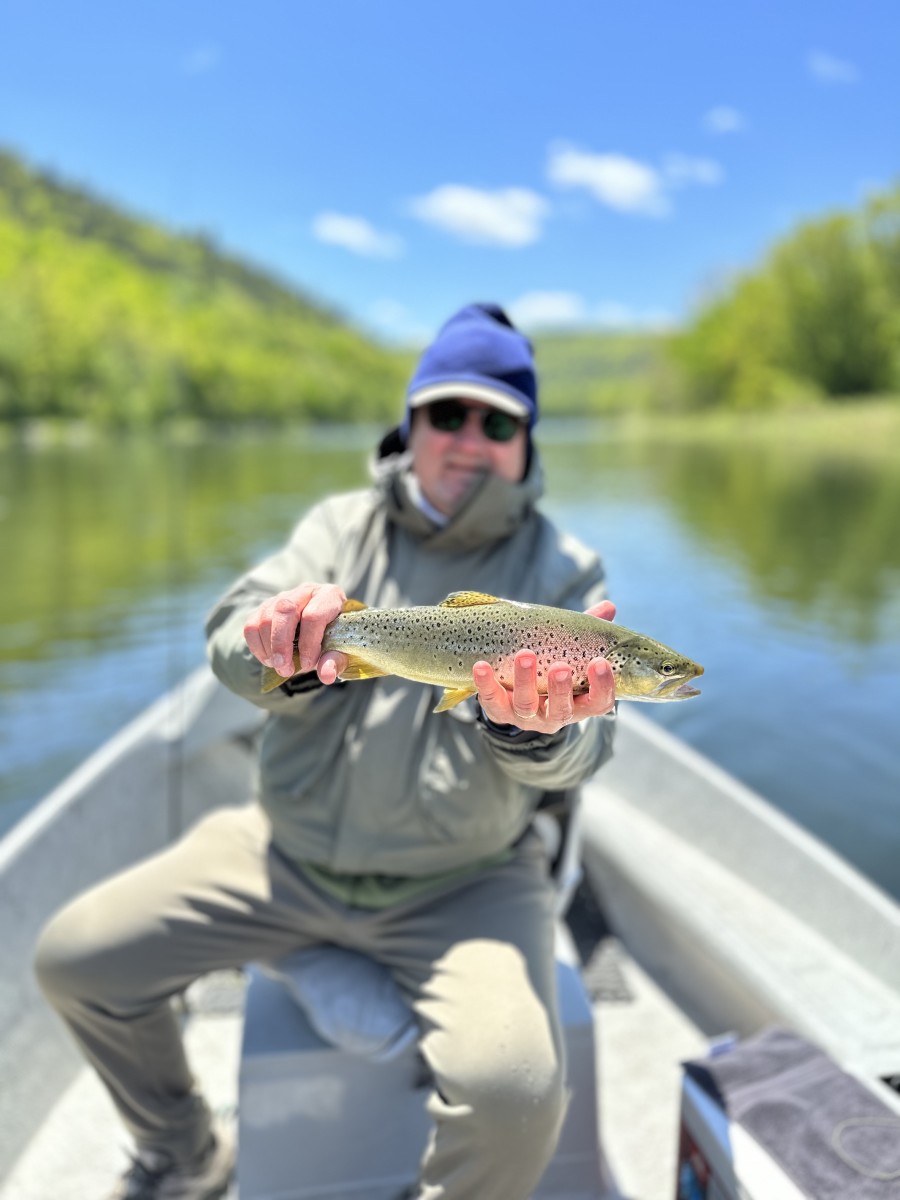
{"x":362,"y":777}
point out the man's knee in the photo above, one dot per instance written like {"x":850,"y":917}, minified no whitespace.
{"x":531,"y":1111}
{"x":521,"y":1108}
{"x":67,"y":961}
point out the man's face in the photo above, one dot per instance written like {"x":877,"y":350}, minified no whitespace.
{"x":446,"y":463}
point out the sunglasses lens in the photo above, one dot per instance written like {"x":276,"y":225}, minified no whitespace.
{"x":449,"y":416}
{"x":499,"y":426}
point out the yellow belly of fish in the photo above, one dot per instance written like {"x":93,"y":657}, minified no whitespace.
{"x":455,"y":678}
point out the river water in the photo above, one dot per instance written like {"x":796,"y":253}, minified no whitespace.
{"x":775,"y":565}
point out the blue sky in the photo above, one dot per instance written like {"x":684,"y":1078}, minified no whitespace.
{"x":581,"y":163}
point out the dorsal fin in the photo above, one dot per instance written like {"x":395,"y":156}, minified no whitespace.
{"x":353,"y":606}
{"x":468,"y":599}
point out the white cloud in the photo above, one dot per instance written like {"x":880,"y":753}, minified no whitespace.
{"x":355,"y":234}
{"x":615,"y":180}
{"x":202,"y":60}
{"x":680,"y":170}
{"x":509,"y":217}
{"x":561,"y":310}
{"x":536,"y":310}
{"x":626,"y":184}
{"x":723,"y":119}
{"x":828,"y":69}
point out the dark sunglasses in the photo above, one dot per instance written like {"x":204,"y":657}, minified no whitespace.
{"x":449,"y":416}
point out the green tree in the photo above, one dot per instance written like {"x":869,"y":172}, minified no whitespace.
{"x":819,"y":317}
{"x":835,"y":309}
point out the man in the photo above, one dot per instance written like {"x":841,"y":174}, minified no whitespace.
{"x":380,"y":825}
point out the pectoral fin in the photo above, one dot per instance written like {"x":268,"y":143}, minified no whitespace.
{"x":452,"y":697}
{"x":358,"y":668}
{"x":467,"y":599}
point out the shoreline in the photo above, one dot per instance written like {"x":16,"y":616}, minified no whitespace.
{"x":869,"y":424}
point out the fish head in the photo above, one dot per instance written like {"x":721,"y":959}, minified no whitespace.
{"x":647,"y":670}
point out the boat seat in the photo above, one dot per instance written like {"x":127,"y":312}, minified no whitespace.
{"x":332,"y":1088}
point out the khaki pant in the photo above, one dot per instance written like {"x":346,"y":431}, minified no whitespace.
{"x":474,"y":959}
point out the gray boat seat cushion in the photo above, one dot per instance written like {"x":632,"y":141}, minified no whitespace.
{"x":350,"y":1000}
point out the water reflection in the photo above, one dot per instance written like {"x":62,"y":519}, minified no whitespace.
{"x":820,"y":535}
{"x":815,"y":535}
{"x":88,"y":533}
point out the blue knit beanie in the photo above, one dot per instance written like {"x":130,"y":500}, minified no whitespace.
{"x":478,"y":354}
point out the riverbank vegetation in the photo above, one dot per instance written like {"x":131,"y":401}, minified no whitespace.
{"x":866,"y":429}
{"x":108,"y":320}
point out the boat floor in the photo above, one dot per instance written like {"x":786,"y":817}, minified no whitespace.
{"x":641,"y":1039}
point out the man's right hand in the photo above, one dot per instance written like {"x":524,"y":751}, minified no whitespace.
{"x":270,"y":629}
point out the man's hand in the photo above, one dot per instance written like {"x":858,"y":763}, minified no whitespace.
{"x":270,"y":630}
{"x":523,"y":706}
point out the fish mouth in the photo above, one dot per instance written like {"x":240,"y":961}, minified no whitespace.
{"x":680,"y":691}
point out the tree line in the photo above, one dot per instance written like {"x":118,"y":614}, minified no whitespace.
{"x":818,"y":318}
{"x":113,"y":319}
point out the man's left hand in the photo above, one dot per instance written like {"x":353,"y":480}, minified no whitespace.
{"x":526,"y":709}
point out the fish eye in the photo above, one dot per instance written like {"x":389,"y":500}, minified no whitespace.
{"x":668,"y":669}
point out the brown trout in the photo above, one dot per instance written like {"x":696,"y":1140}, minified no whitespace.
{"x":440,"y":644}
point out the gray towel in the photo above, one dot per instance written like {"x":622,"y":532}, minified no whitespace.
{"x":824,"y":1128}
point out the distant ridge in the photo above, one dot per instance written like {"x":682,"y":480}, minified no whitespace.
{"x":595,"y":372}
{"x":111,"y":318}
{"x":75,"y":210}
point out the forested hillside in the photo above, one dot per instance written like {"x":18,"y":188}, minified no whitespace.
{"x":593,"y":372}
{"x":818,"y":318}
{"x":111,"y":318}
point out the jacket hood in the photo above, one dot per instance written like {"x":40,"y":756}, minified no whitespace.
{"x":494,"y":509}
